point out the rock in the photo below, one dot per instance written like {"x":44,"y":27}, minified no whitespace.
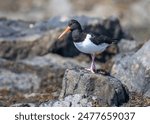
{"x":137,"y":100}
{"x":24,"y":81}
{"x":134,"y":70}
{"x":51,"y":68}
{"x":24,"y":105}
{"x":126,"y":46}
{"x":18,"y":40}
{"x":34,"y":73}
{"x":106,"y":88}
{"x":12,"y":97}
{"x":76,"y":100}
{"x":110,"y":27}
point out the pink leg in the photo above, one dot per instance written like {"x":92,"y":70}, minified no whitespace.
{"x":93,"y":67}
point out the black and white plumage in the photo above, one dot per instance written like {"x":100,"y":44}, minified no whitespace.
{"x":87,"y":43}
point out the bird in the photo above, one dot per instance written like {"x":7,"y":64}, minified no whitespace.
{"x":87,"y":43}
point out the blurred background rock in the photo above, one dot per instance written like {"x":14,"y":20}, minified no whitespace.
{"x":134,"y":14}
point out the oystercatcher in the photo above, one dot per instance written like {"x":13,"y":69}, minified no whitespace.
{"x":87,"y":43}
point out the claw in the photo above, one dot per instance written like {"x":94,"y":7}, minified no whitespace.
{"x":90,"y":69}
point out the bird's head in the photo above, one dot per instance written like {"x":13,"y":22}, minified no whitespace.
{"x":72,"y":25}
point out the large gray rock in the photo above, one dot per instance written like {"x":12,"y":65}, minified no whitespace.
{"x":106,"y":88}
{"x":23,"y":42}
{"x":134,"y":70}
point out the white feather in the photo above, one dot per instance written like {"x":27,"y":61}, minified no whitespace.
{"x":89,"y":47}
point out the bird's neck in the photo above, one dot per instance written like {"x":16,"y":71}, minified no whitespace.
{"x":76,"y":35}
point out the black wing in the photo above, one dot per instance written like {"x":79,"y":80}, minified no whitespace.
{"x":101,"y":39}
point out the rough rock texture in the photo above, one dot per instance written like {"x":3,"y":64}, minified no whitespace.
{"x":76,"y":100}
{"x":51,"y":67}
{"x":106,"y":88}
{"x":31,"y":74}
{"x":126,"y":46}
{"x":23,"y":105}
{"x":19,"y":39}
{"x":19,"y":81}
{"x":42,"y":75}
{"x":134,"y":70}
{"x":137,"y":100}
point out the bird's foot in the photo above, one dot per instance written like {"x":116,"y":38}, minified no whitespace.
{"x":90,"y":69}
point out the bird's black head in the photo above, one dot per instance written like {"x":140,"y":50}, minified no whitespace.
{"x":72,"y":25}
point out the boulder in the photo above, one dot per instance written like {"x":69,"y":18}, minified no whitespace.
{"x":104,"y":87}
{"x":19,"y":39}
{"x":134,"y":70}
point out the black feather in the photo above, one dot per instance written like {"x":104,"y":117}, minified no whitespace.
{"x":101,"y":39}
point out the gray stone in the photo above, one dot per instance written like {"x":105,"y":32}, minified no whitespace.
{"x":34,"y":73}
{"x":51,"y":67}
{"x":76,"y":100}
{"x":134,"y":70}
{"x":105,"y":88}
{"x":32,"y":43}
{"x":19,"y":81}
{"x":24,"y":105}
{"x":128,"y":46}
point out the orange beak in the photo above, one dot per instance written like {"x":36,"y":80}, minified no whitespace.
{"x":65,"y":31}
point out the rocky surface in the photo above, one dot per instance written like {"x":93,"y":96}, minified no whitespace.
{"x":76,"y":100}
{"x":40,"y":75}
{"x":18,"y":40}
{"x":106,"y":88}
{"x":34,"y":73}
{"x":19,"y":81}
{"x":134,"y":70}
{"x":23,"y":105}
{"x":128,"y":46}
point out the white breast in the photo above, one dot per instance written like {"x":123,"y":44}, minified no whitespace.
{"x":88,"y":47}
